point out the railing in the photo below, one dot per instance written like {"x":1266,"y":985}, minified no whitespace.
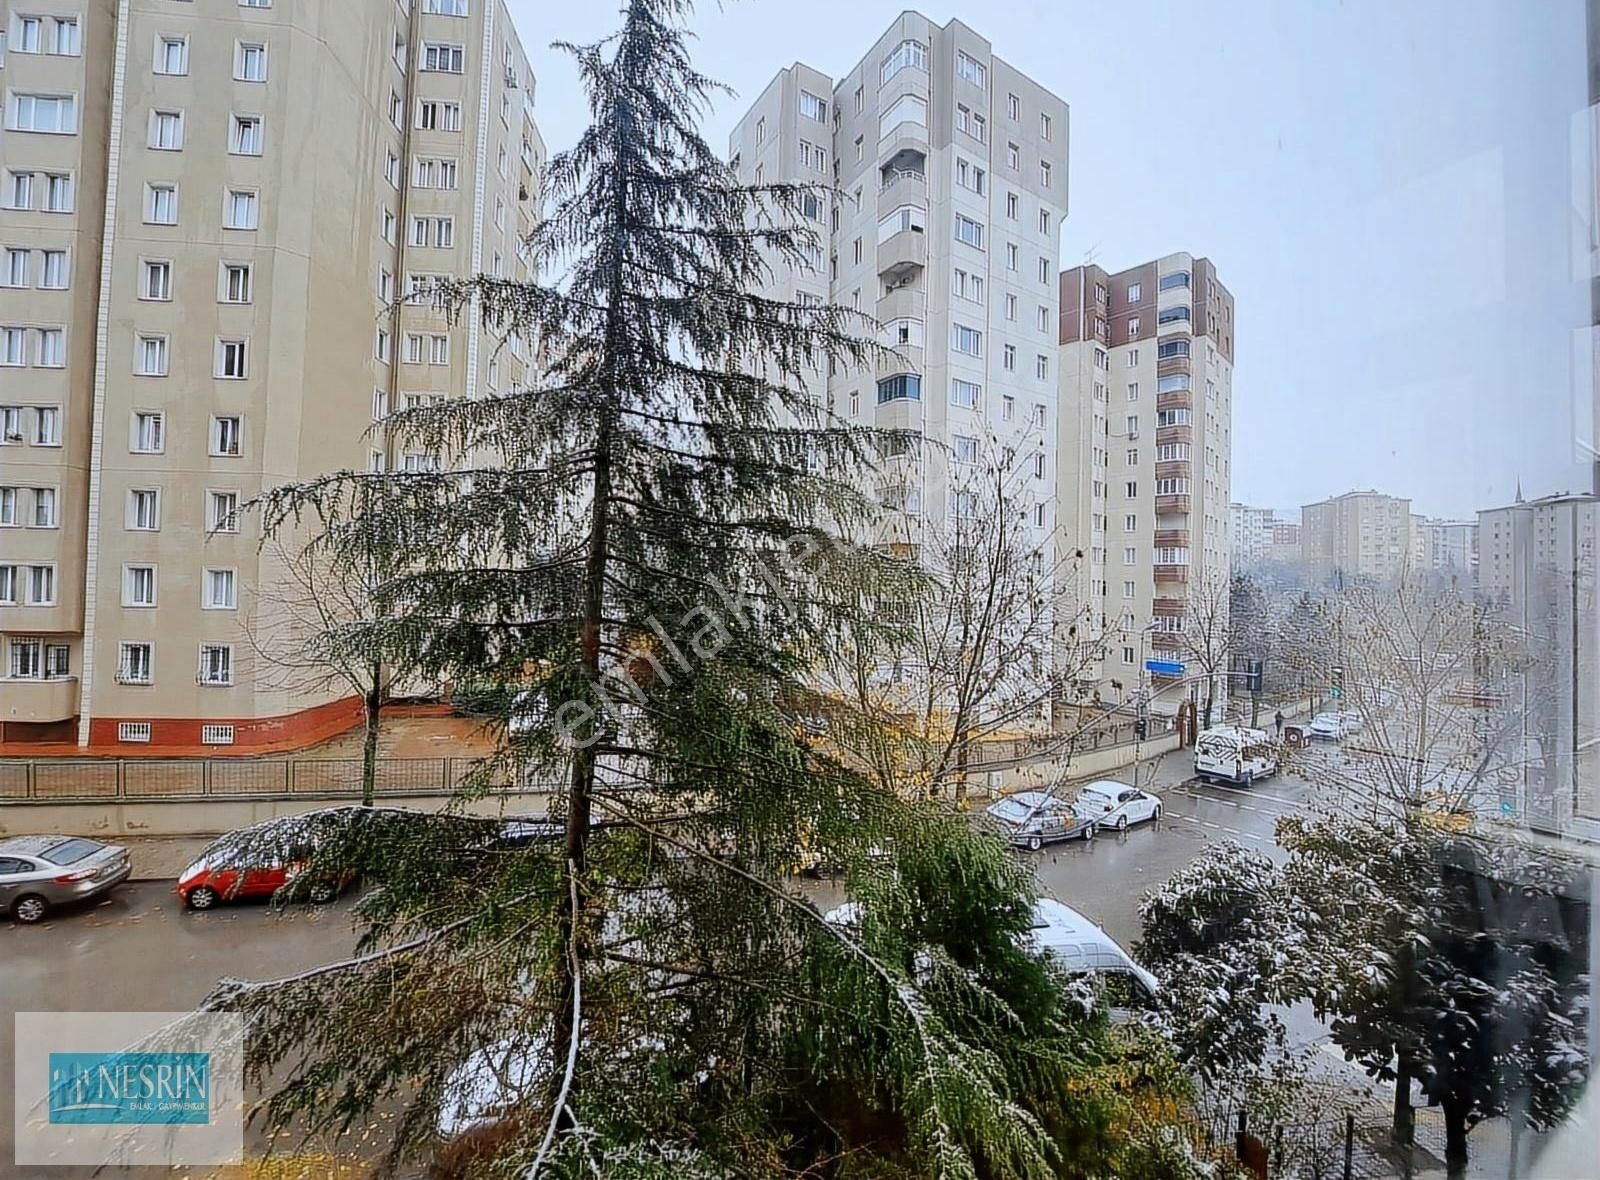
{"x":1171,"y":573}
{"x":65,"y":780}
{"x":1174,"y":399}
{"x":899,"y":174}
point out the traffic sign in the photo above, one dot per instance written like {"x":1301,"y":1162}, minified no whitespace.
{"x":1164,"y":667}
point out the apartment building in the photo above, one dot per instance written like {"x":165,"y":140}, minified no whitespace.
{"x":1284,"y":545}
{"x":1359,"y":535}
{"x":1449,"y":549}
{"x":952,"y":170}
{"x":1537,"y":565}
{"x":213,"y":211}
{"x":1145,"y":436}
{"x":1250,"y":534}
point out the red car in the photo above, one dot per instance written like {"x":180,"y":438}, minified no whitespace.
{"x":200,"y":886}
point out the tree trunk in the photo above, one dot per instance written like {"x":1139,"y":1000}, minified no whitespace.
{"x":1403,"y":1130}
{"x":372,"y":707}
{"x":1455,"y":1140}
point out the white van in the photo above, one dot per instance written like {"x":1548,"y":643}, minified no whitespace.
{"x":1235,"y":754}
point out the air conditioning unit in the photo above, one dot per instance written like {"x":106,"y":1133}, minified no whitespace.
{"x":133,"y":731}
{"x":216,"y":735}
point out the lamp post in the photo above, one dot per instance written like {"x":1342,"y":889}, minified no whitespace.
{"x":1141,"y":707}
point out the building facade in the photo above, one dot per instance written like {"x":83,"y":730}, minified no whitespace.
{"x":213,"y":215}
{"x":1537,"y":566}
{"x":1250,"y":535}
{"x":1451,"y":549}
{"x":952,"y":170}
{"x":1145,"y":435}
{"x":1359,"y":535}
{"x":1284,"y":545}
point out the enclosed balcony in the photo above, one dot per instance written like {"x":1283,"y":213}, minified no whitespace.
{"x":1178,"y":399}
{"x":1171,"y":574}
{"x":1171,"y":538}
{"x":1173,"y":469}
{"x":1168,"y":435}
{"x":36,"y":699}
{"x":1174,"y":503}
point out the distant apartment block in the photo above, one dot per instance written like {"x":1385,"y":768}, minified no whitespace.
{"x":1284,"y":545}
{"x":1145,"y":438}
{"x":1537,"y":564}
{"x":1359,"y":535}
{"x":1250,"y":534}
{"x":951,"y":169}
{"x":1450,"y":549}
{"x":212,"y":214}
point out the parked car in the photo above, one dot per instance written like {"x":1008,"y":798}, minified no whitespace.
{"x":1032,"y":819}
{"x":39,"y":873}
{"x":1235,"y":754}
{"x":1351,"y":719}
{"x":1112,"y":804}
{"x":1079,"y":945}
{"x":1326,"y":727}
{"x":211,"y":879}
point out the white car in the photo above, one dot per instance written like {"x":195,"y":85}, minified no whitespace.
{"x":1326,"y":727}
{"x":1351,"y":719}
{"x":1235,"y":754}
{"x":1111,"y":804}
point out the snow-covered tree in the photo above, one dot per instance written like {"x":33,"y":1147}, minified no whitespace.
{"x":642,"y":555}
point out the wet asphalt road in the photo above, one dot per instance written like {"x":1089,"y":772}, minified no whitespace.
{"x":138,"y":951}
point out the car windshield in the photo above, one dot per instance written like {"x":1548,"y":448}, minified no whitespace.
{"x":70,"y":852}
{"x":1093,"y":798}
{"x":1013,"y":810}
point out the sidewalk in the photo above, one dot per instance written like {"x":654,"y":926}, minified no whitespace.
{"x":161,"y":858}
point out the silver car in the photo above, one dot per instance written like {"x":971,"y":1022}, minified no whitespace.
{"x":38,"y":873}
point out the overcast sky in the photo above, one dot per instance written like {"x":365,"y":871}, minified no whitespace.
{"x":1387,"y":187}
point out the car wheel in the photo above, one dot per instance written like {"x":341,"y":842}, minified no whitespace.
{"x":322,"y":893}
{"x":1250,"y":778}
{"x":30,"y":909}
{"x":1156,"y":814}
{"x":1088,"y":832}
{"x":202,"y":898}
{"x":1122,"y":823}
{"x":1034,"y":844}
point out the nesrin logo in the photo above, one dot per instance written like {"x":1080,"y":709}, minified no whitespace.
{"x":160,"y":1088}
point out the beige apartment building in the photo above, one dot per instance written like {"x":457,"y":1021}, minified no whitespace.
{"x":1250,"y":535}
{"x":1359,"y":535}
{"x":1145,"y":437}
{"x":212,"y":213}
{"x":952,"y":170}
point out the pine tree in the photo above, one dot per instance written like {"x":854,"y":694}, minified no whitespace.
{"x":636,"y":559}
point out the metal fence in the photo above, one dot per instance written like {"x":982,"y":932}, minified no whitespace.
{"x":63,"y":780}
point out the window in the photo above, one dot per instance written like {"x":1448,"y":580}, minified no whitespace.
{"x":216,"y":664}
{"x":1174,"y":280}
{"x":1173,"y":315}
{"x":44,"y":509}
{"x":241,"y":210}
{"x":1044,"y":125}
{"x":1172,"y":348}
{"x":161,"y":204}
{"x":19,"y":190}
{"x":255,"y":3}
{"x":970,"y":176}
{"x":433,"y":231}
{"x":232,"y":359}
{"x":1039,"y":413}
{"x":1013,"y":107}
{"x":236,"y":282}
{"x":166,"y":130}
{"x":439,"y":349}
{"x":1008,"y":358}
{"x":13,"y":346}
{"x":57,"y":192}
{"x":156,"y":281}
{"x":1133,"y":426}
{"x":969,"y":231}
{"x":172,"y":55}
{"x":1131,"y":489}
{"x":442,"y":59}
{"x":1041,"y":367}
{"x":27,"y":34}
{"x":967,"y":340}
{"x":1043,"y":316}
{"x":966,"y":449}
{"x":25,"y":662}
{"x":8,"y":584}
{"x":133,"y":667}
{"x":1133,"y":326}
{"x":138,"y":585}
{"x":965,"y":393}
{"x":1011,"y":256}
{"x":151,"y":357}
{"x":244,"y":139}
{"x":1173,"y":418}
{"x":144,"y":509}
{"x":972,"y":70}
{"x":381,"y":347}
{"x":147,"y":432}
{"x":1013,"y":157}
{"x":222,"y":512}
{"x":1133,"y":358}
{"x":414,"y":349}
{"x":397,"y":109}
{"x":46,"y":426}
{"x":1130,"y":523}
{"x":903,"y":387}
{"x":1172,"y":487}
{"x":1135,"y":290}
{"x":8,"y":506}
{"x":1172,"y":384}
{"x":52,"y":352}
{"x":1039,"y":465}
{"x":1170,"y":452}
{"x":225,"y":435}
{"x":969,"y":286}
{"x":250,"y":62}
{"x":439,"y":116}
{"x":813,"y":107}
{"x":56,"y":114}
{"x":908,"y":108}
{"x":1011,"y":307}
{"x":906,"y":54}
{"x":1133,"y":391}
{"x":1044,"y":173}
{"x":445,"y":7}
{"x":17,"y":267}
{"x":218,"y":590}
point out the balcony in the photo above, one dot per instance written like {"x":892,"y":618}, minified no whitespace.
{"x":1166,"y":640}
{"x":1176,"y":503}
{"x":1177,"y":399}
{"x":1171,"y":574}
{"x":1167,"y":366}
{"x":1174,"y":434}
{"x":1171,"y":538}
{"x":1173,"y":469}
{"x":903,"y":303}
{"x":28,"y":699}
{"x":903,"y":188}
{"x":902,"y":254}
{"x":1173,"y":607}
{"x":907,"y":358}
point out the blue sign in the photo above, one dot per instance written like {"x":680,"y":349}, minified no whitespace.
{"x":101,"y":1088}
{"x":1164,"y":667}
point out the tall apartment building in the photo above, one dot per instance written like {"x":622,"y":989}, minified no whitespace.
{"x":1250,"y":534}
{"x":953,"y":172}
{"x":1284,"y":545}
{"x":1145,"y":437}
{"x":1537,"y":563}
{"x":211,"y":212}
{"x":1365,"y":535}
{"x":1450,"y":549}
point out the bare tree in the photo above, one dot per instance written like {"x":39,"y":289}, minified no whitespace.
{"x":1208,"y":637}
{"x":974,"y":657}
{"x":310,"y":633}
